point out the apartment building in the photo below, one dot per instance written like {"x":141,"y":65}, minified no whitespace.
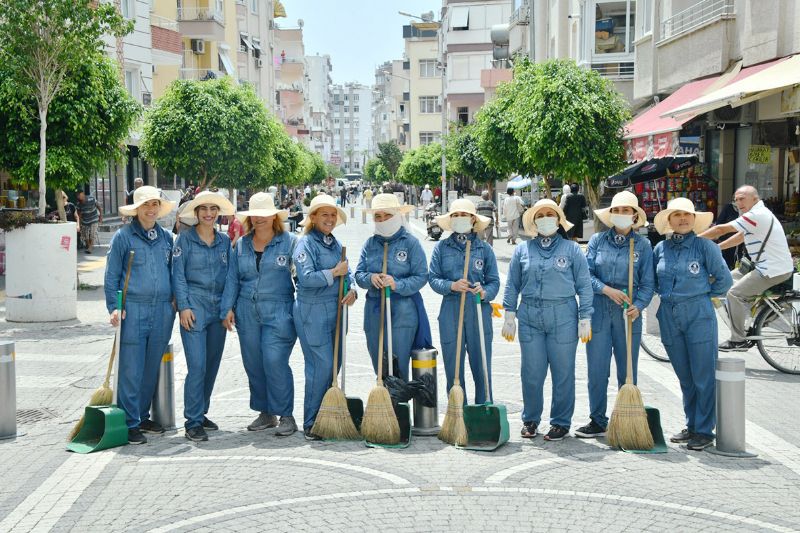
{"x":320,"y":102}
{"x":425,"y":83}
{"x":291,"y":81}
{"x":391,"y":103}
{"x":255,"y":22}
{"x":352,"y":126}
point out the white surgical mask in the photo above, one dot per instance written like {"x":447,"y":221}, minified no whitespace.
{"x":461,"y":224}
{"x":622,"y":222}
{"x":547,"y":225}
{"x":389,"y":227}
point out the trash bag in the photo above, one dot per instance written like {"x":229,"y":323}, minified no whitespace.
{"x":399,"y":390}
{"x":425,"y":390}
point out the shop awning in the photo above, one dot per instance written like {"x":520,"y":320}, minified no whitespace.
{"x":226,"y":62}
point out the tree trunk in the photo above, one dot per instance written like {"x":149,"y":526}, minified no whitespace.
{"x":547,"y":191}
{"x":592,"y":194}
{"x":62,"y":213}
{"x":203,"y":181}
{"x":42,"y":161}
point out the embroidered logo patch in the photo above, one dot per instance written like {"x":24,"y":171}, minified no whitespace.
{"x":694,"y":267}
{"x":176,"y":252}
{"x":281,"y":260}
{"x":224,"y":257}
{"x":301,"y":257}
{"x":402,"y":256}
{"x":461,"y":237}
{"x":479,"y":264}
{"x":546,"y":242}
{"x":635,"y":257}
{"x":152,"y":234}
{"x":619,"y":239}
{"x":562,"y":262}
{"x":327,"y":239}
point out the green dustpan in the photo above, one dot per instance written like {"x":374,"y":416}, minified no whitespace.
{"x":654,"y":422}
{"x":403,"y":413}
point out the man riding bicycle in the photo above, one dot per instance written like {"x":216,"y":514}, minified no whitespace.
{"x":770,"y":260}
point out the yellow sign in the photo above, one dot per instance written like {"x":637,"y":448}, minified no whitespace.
{"x":759,"y":153}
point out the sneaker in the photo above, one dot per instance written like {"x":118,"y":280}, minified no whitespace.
{"x":528,"y":430}
{"x":557,"y":433}
{"x":197,"y":434}
{"x":590,"y":431}
{"x":735,"y":346}
{"x":311,"y":436}
{"x":699,"y":442}
{"x":286,"y":427}
{"x":684,"y":436}
{"x":135,"y":436}
{"x":209,"y":425}
{"x":148,"y":426}
{"x":264,"y":421}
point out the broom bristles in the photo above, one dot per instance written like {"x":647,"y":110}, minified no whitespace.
{"x":454,"y":431}
{"x":628,"y":427}
{"x":101,"y":396}
{"x":380,"y":424}
{"x":333,"y":420}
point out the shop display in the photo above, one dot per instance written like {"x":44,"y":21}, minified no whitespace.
{"x":690,"y":183}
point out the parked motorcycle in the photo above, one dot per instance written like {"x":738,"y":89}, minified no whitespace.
{"x":431,"y":212}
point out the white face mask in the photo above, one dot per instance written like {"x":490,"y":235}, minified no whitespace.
{"x":547,"y":225}
{"x":461,"y":224}
{"x":622,"y":222}
{"x":389,"y":227}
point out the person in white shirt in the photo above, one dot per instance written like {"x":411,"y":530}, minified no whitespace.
{"x":512,"y":209}
{"x":426,"y":196}
{"x":765,"y":241}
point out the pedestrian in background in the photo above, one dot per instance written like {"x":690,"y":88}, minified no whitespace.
{"x":368,"y":197}
{"x":487,"y":209}
{"x":512,"y":210}
{"x":149,"y":309}
{"x":89,"y":216}
{"x":200,"y":261}
{"x":574,"y":207}
{"x":547,"y":272}
{"x":426,"y":196}
{"x":565,"y":192}
{"x":259,"y":301}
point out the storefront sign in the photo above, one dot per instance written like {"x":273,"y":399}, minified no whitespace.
{"x":790,"y":100}
{"x":759,"y":153}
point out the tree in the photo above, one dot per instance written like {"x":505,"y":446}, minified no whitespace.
{"x":213,"y":131}
{"x":334,"y":171}
{"x":423,"y":165}
{"x":390,"y":157}
{"x":284,"y":166}
{"x":467,"y":159}
{"x":41,"y":41}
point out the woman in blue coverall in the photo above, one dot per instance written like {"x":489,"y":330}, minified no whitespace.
{"x":317,"y":260}
{"x":149,"y":312}
{"x":407,"y":273}
{"x":259,"y":301}
{"x":608,"y":258}
{"x":446,"y":278}
{"x":199,"y":270}
{"x":689,"y":271}
{"x":548,"y":272}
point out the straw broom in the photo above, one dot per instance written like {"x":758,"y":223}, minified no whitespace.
{"x":628,"y":427}
{"x":379,"y":424}
{"x":103,"y":395}
{"x":454,"y":431}
{"x":333,"y":420}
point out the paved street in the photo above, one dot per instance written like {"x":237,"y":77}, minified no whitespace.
{"x":241,"y":480}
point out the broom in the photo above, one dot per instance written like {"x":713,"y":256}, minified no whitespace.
{"x":628,"y":427}
{"x":333,"y":420}
{"x":380,"y":423}
{"x":454,"y":431}
{"x":103,"y":395}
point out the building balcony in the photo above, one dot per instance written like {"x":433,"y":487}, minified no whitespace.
{"x":201,"y":23}
{"x":615,"y":71}
{"x":700,"y":14}
{"x":166,"y":41}
{"x":521,"y":15}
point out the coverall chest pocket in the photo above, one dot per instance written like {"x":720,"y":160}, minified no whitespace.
{"x":318,"y":322}
{"x":604,"y":264}
{"x":695,"y":269}
{"x":398,"y":262}
{"x":562,"y":263}
{"x":453,"y":265}
{"x":141,"y":254}
{"x":477,"y":266}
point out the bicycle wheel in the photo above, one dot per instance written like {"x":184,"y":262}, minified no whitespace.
{"x":651,"y":343}
{"x":776,"y":341}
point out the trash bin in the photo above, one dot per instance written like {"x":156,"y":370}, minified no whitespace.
{"x":164,"y":398}
{"x":8,"y":391}
{"x":426,"y":419}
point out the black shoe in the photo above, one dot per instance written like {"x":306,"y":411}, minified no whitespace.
{"x":209,"y":425}
{"x":310,"y":436}
{"x":590,"y":431}
{"x":735,"y":346}
{"x":197,"y":434}
{"x":135,"y":436}
{"x":528,"y":430}
{"x":148,"y":426}
{"x":684,"y":436}
{"x":557,"y":433}
{"x":699,"y":442}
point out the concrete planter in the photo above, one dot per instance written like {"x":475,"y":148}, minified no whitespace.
{"x":41,"y":273}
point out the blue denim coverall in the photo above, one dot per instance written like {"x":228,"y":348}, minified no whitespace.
{"x":548,"y":272}
{"x":149,"y":315}
{"x":607,"y":256}
{"x":684,"y":265}
{"x":447,"y":266}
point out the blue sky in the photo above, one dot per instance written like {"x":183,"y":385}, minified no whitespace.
{"x":357,"y":34}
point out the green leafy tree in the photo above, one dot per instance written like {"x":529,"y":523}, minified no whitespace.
{"x":41,"y":42}
{"x":334,"y":171}
{"x":285,"y":163}
{"x":467,"y":159}
{"x":390,"y":156}
{"x":423,"y":165}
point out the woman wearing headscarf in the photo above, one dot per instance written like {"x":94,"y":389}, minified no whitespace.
{"x":446,"y":277}
{"x":318,"y":262}
{"x":149,"y":312}
{"x":200,"y":262}
{"x":689,"y":271}
{"x":259,"y":301}
{"x":406,"y":274}
{"x":608,"y":258}
{"x":548,"y":272}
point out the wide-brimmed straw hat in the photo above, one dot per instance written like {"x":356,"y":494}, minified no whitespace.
{"x":528,"y":218}
{"x":144,"y":194}
{"x":462,"y":205}
{"x":204,"y":198}
{"x":622,"y":199}
{"x":389,"y":203}
{"x":262,"y":204}
{"x":324,"y":200}
{"x":702,"y":219}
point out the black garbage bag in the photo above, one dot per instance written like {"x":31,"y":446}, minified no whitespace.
{"x":399,"y":389}
{"x":425,"y":390}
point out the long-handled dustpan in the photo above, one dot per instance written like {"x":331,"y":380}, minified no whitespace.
{"x":104,"y":426}
{"x":355,"y":405}
{"x":487,"y":423}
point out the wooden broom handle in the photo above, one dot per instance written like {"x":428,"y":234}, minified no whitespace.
{"x":460,"y":330}
{"x":383,"y":312}
{"x":124,"y":293}
{"x":629,"y":329}
{"x":335,"y":382}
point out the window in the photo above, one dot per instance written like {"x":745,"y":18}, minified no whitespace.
{"x":428,"y":137}
{"x":244,"y":42}
{"x":347,"y":109}
{"x":645,"y":18}
{"x":346,"y":97}
{"x":131,"y":77}
{"x":429,"y":104}
{"x":427,"y":68}
{"x":355,"y":98}
{"x":459,"y":18}
{"x":463,"y":115}
{"x":355,"y":109}
{"x":256,"y":42}
{"x":128,"y":8}
{"x":614,"y":24}
{"x":254,"y":6}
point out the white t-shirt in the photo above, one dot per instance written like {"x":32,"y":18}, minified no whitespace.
{"x":512,"y":207}
{"x":426,"y":195}
{"x":776,"y":258}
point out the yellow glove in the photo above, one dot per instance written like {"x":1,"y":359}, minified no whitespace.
{"x":510,"y":326}
{"x":496,"y":307}
{"x":585,"y":329}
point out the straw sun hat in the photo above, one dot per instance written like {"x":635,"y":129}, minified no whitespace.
{"x":528,"y":218}
{"x":204,"y":198}
{"x":324,"y":200}
{"x":388,"y":203}
{"x":144,"y":194}
{"x":702,"y":219}
{"x":462,"y":205}
{"x":622,"y":199}
{"x":262,"y":205}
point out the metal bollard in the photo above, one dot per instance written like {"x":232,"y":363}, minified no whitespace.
{"x":426,"y":419}
{"x":352,"y":211}
{"x":8,"y":391}
{"x":164,"y":398}
{"x":363,"y":216}
{"x":416,"y":212}
{"x":730,"y":409}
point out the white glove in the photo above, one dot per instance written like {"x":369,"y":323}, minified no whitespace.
{"x":510,"y":326}
{"x":585,"y":329}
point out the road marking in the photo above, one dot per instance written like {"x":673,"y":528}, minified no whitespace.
{"x":502,"y":475}
{"x":88,"y":266}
